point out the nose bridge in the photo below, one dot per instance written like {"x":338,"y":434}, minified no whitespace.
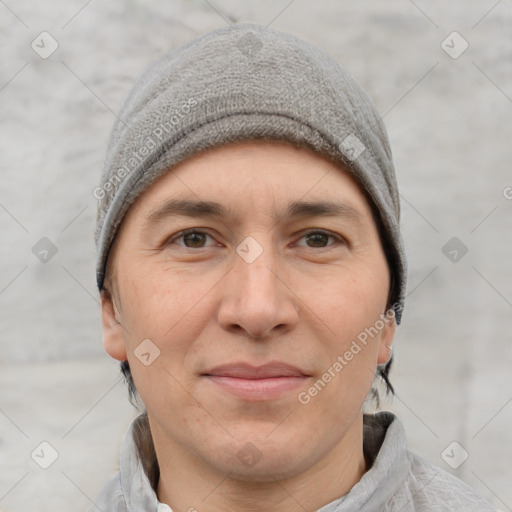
{"x":257,"y":300}
{"x":254,"y":268}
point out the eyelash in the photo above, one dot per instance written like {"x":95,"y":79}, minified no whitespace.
{"x":181,"y":234}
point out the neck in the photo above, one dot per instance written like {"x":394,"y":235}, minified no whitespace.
{"x":188,"y":483}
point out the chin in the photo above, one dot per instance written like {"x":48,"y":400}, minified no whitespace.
{"x":263,"y":461}
{"x":264,"y":471}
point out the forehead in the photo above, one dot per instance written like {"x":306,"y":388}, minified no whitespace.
{"x":247,"y":178}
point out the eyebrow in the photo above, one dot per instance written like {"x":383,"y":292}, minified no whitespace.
{"x":211,"y":209}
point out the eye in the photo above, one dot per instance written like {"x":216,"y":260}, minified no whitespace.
{"x":195,"y":239}
{"x":319,"y":239}
{"x":192,"y":239}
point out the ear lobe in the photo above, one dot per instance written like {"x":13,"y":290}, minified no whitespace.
{"x":113,"y":339}
{"x":386,"y":340}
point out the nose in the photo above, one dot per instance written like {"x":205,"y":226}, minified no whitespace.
{"x":256,"y":298}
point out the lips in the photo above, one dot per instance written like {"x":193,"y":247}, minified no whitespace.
{"x":247,"y":371}
{"x":254,"y":383}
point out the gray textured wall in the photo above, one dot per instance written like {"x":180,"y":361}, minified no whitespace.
{"x":449,"y":121}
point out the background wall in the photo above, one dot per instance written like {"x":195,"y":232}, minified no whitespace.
{"x":448,"y":110}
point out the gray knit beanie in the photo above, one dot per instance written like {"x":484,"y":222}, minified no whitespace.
{"x":243,"y":82}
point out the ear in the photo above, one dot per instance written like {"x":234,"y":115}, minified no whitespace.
{"x":113,"y":339}
{"x":386,"y":339}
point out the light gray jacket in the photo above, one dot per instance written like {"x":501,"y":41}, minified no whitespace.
{"x":398,"y":481}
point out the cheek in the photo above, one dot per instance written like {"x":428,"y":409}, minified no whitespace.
{"x":348,"y":308}
{"x":171,"y":311}
{"x":158,"y":304}
{"x":346,"y":302}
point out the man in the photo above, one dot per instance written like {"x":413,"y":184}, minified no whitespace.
{"x":252,"y":275}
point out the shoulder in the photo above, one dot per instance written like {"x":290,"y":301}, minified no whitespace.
{"x":111,"y":497}
{"x":431,"y":488}
{"x":400,"y":480}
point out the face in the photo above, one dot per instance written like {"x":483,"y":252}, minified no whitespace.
{"x":253,"y":270}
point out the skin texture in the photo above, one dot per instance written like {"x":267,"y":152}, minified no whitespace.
{"x":302,"y":301}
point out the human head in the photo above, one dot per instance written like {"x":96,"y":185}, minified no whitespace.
{"x":215,"y":135}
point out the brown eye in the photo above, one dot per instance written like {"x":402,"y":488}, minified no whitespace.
{"x":318,"y":239}
{"x":191,"y":239}
{"x":194,"y":239}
